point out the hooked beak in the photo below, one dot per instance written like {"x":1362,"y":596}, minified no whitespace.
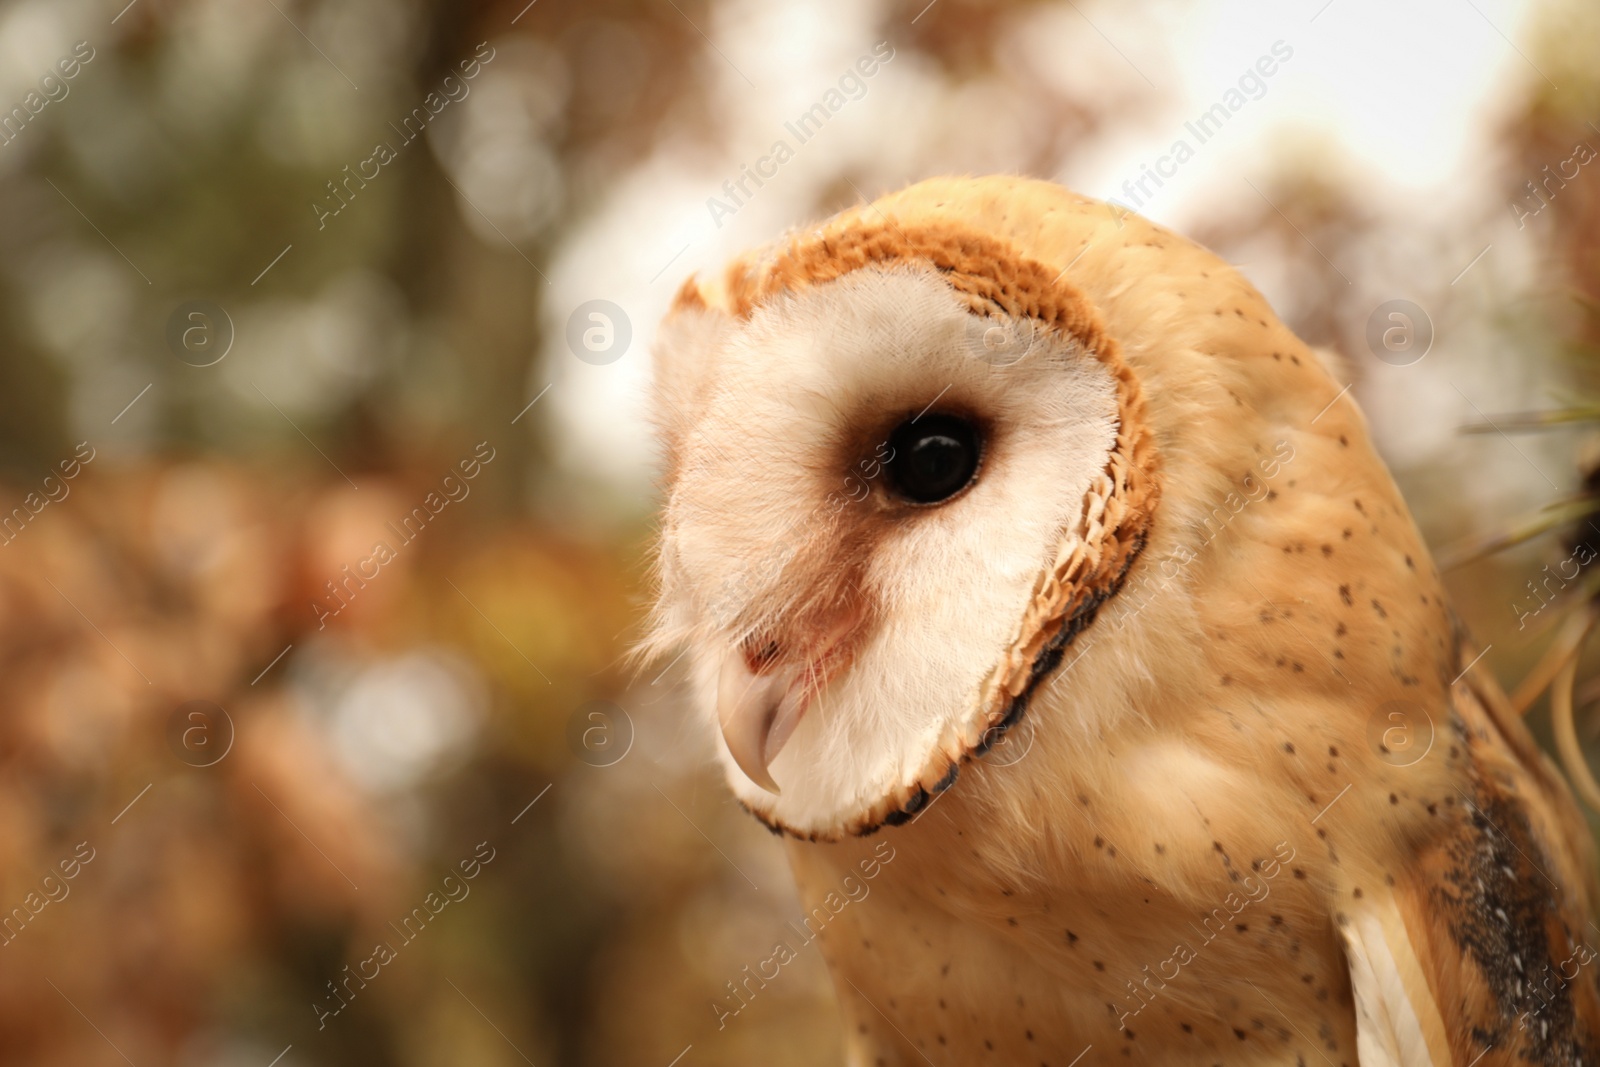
{"x":758,"y":713}
{"x":763,"y":694}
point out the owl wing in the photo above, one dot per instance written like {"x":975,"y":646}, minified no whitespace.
{"x":1476,"y":954}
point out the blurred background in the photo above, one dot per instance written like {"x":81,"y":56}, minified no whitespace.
{"x":326,"y":487}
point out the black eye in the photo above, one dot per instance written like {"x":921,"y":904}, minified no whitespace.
{"x":934,"y":457}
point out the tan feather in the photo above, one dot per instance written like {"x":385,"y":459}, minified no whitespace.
{"x":1267,"y":809}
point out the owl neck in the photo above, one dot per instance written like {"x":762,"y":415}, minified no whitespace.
{"x":990,"y":928}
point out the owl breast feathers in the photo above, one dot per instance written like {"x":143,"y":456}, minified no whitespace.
{"x":1018,"y":531}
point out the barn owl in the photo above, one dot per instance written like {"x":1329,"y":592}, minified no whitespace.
{"x":1017,"y":531}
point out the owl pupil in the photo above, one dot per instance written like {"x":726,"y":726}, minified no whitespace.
{"x":934,"y":457}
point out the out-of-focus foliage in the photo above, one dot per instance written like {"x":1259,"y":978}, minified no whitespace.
{"x":395,"y":715}
{"x":1552,"y":593}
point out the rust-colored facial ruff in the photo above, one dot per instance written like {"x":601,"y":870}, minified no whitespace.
{"x":993,"y":281}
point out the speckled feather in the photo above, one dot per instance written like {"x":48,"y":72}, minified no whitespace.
{"x":1217,"y":848}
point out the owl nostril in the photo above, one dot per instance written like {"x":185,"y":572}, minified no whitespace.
{"x":759,"y":656}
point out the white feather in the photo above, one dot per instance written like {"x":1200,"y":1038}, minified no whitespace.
{"x":951,"y":582}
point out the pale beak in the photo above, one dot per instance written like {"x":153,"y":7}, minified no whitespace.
{"x":758,"y":713}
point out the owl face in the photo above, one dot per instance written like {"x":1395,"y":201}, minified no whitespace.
{"x":882,"y":491}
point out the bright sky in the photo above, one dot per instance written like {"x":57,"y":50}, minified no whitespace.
{"x":1406,"y":89}
{"x":1399,"y":98}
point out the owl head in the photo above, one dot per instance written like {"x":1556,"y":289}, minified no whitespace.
{"x":909,"y":459}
